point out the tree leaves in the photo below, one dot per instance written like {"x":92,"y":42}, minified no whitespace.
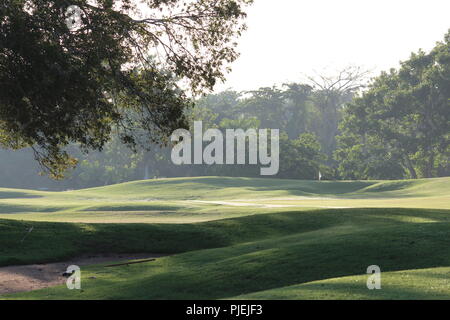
{"x":61,"y":86}
{"x":403,"y":118}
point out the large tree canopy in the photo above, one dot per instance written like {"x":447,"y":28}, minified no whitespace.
{"x":121,"y":68}
{"x":403,"y":119}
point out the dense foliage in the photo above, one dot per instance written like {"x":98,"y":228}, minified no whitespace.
{"x":400,"y":127}
{"x":70,"y":78}
{"x":395,"y":127}
{"x":303,"y":153}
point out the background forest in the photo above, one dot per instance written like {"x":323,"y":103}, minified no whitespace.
{"x":393,"y":126}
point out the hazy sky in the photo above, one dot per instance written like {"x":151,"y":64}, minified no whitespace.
{"x":288,"y":38}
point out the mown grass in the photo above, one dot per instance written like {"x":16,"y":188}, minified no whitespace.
{"x":431,"y":283}
{"x":298,"y":250}
{"x":247,"y":255}
{"x":179,"y":200}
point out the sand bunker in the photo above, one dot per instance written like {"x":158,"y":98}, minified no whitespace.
{"x":37,"y":276}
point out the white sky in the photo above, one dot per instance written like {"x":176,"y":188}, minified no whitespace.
{"x":287,"y":39}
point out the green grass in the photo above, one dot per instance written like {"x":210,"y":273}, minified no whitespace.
{"x":432,"y":283}
{"x":244,"y":255}
{"x":191,"y":200}
{"x":252,"y":252}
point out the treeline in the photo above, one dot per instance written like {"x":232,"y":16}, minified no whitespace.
{"x":308,"y":120}
{"x":400,"y":127}
{"x":395,"y":127}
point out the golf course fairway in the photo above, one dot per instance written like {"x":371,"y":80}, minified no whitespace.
{"x":238,"y":238}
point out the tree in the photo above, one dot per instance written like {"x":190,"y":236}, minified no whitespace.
{"x":362,"y":158}
{"x":267,"y":104}
{"x":60,"y":86}
{"x":406,"y":114}
{"x":299,"y":109}
{"x":115,"y":164}
{"x":300,"y":158}
{"x":330,"y":96}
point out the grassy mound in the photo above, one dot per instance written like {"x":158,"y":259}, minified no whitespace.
{"x":432,"y":283}
{"x":238,"y":238}
{"x":192,"y":200}
{"x":260,"y":256}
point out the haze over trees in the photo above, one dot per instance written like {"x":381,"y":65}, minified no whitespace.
{"x":66,"y":92}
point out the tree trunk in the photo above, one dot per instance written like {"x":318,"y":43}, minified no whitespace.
{"x":430,"y":166}
{"x":410,"y":168}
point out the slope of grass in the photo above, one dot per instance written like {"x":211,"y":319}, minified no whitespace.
{"x":432,"y":283}
{"x":191,"y":200}
{"x":261,"y":254}
{"x":217,"y":188}
{"x":238,"y":238}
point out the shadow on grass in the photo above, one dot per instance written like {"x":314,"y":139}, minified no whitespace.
{"x":17,"y":195}
{"x":352,"y":291}
{"x":237,"y":256}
